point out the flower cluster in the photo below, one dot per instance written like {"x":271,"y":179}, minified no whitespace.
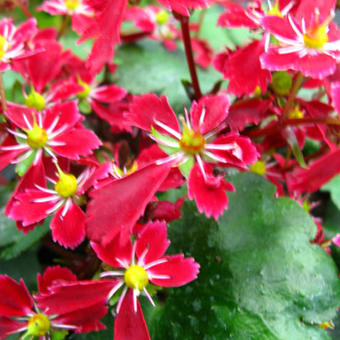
{"x":107,"y":167}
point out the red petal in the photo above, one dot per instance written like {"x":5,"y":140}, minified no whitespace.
{"x":128,"y":324}
{"x":67,"y":113}
{"x":108,"y":93}
{"x":215,"y":110}
{"x":75,"y":296}
{"x":86,"y":319}
{"x":27,"y":211}
{"x":68,"y":230}
{"x":9,"y":326}
{"x":35,"y":175}
{"x":78,"y":141}
{"x":317,"y":174}
{"x":241,"y":81}
{"x":54,"y":276}
{"x":113,"y":250}
{"x":180,"y":270}
{"x":210,"y":197}
{"x":154,"y":239}
{"x":147,"y":108}
{"x":116,"y":207}
{"x":7,"y":156}
{"x":247,"y":111}
{"x":15,"y":113}
{"x":15,"y":298}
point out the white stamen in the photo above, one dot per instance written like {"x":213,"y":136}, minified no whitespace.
{"x":53,"y":125}
{"x":187,"y":119}
{"x":168,"y":129}
{"x":23,"y":157}
{"x":55,"y":208}
{"x":45,"y":189}
{"x":202,"y":117}
{"x":111,"y":273}
{"x":294,"y":27}
{"x":135,"y":293}
{"x":200,"y":164}
{"x":14,"y":147}
{"x":148,"y":296}
{"x":115,"y":289}
{"x":58,"y":132}
{"x":120,"y":301}
{"x":159,"y":277}
{"x":46,"y":199}
{"x":165,"y":143}
{"x":66,"y":207}
{"x":122,"y":263}
{"x":155,"y":263}
{"x":214,"y":157}
{"x":18,"y":134}
{"x":224,"y":147}
{"x":27,"y":122}
{"x":37,"y":156}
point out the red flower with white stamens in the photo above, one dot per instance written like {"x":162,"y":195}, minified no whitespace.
{"x":68,"y":222}
{"x":137,"y":264}
{"x":21,"y":312}
{"x":309,"y":46}
{"x":67,"y":7}
{"x":13,"y":41}
{"x":198,"y":142}
{"x":56,"y":131}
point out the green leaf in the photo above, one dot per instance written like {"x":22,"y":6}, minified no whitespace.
{"x":260,"y":277}
{"x":148,"y":67}
{"x":186,"y":166}
{"x":166,"y":139}
{"x":58,"y":334}
{"x":334,"y":189}
{"x":19,"y":242}
{"x":22,"y":167}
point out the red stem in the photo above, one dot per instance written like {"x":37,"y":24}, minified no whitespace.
{"x":189,"y":54}
{"x":23,"y":8}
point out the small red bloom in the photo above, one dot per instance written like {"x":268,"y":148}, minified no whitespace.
{"x":21,"y":312}
{"x":136,"y":265}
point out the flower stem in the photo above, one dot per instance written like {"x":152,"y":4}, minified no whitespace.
{"x":24,"y":9}
{"x":2,"y":94}
{"x":189,"y":54}
{"x":63,"y":26}
{"x":292,"y":95}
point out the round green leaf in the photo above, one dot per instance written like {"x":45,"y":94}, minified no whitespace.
{"x":260,"y":277}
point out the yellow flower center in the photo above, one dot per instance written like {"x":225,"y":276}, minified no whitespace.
{"x":86,"y":89}
{"x":3,"y":46}
{"x":72,"y":4}
{"x":275,"y":10}
{"x":258,"y":167}
{"x":136,"y":277}
{"x":316,"y":37}
{"x":35,"y":100}
{"x":36,"y":137}
{"x":192,"y":142}
{"x":162,"y":17}
{"x":66,"y":185}
{"x":38,"y":325}
{"x":296,"y":113}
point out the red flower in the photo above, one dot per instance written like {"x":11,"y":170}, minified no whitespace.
{"x":56,"y":131}
{"x":308,"y":43}
{"x":20,"y":312}
{"x":197,"y":143}
{"x":68,"y":222}
{"x":13,"y":41}
{"x":138,"y":264}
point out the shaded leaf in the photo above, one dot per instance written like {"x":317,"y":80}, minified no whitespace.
{"x":260,"y":276}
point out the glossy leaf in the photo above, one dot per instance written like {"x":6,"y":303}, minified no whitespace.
{"x":260,"y":276}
